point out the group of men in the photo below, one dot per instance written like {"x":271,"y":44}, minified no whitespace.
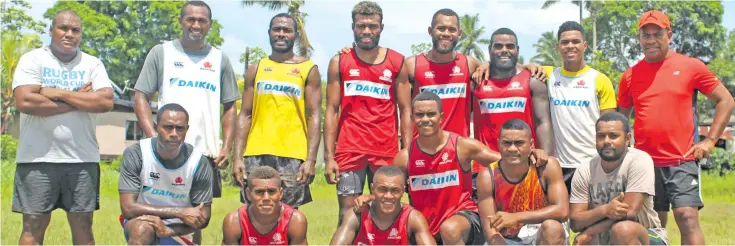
{"x":548,"y":152}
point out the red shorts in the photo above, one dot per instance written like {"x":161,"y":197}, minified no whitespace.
{"x":350,"y":161}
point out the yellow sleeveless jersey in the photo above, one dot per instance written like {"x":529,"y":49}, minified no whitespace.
{"x":279,"y":121}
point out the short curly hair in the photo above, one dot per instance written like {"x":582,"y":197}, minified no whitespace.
{"x":367,"y":8}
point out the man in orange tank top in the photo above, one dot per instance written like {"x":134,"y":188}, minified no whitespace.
{"x":519,"y":202}
{"x":265,"y":220}
{"x":381,"y":219}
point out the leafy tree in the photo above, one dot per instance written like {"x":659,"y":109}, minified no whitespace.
{"x":252,"y":56}
{"x":546,"y":53}
{"x":303,"y":45}
{"x":15,"y":19}
{"x":14,"y":46}
{"x":470,"y":42}
{"x":121,"y":33}
{"x":422,"y":47}
{"x":605,"y":66}
{"x":724,"y":64}
{"x":589,"y":5}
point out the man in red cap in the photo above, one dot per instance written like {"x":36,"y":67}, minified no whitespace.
{"x":661,"y":88}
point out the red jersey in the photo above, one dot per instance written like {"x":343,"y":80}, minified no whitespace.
{"x":451,"y":82}
{"x":368,"y":122}
{"x":277,"y":236}
{"x":439,"y":187}
{"x":662,"y":95}
{"x":370,"y":234}
{"x":497,"y":101}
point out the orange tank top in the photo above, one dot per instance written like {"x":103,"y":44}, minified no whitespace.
{"x":512,"y":197}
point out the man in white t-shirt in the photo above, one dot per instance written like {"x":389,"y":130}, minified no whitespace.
{"x":612,"y":195}
{"x":59,"y":91}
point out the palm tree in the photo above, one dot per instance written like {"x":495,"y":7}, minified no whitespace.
{"x":546,"y":53}
{"x":14,"y":46}
{"x":589,"y":5}
{"x":472,"y":31}
{"x":303,"y":46}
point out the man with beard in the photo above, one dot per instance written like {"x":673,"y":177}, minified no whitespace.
{"x":165,"y":185}
{"x":519,"y":202}
{"x":265,"y":220}
{"x":197,"y":76}
{"x":59,"y":91}
{"x":660,"y":88}
{"x":363,"y":88}
{"x":438,"y":166}
{"x":509,"y":94}
{"x":382,"y":219}
{"x":279,"y":91}
{"x":579,"y":95}
{"x":612,"y":195}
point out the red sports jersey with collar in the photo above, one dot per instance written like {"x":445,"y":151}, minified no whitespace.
{"x":396,"y":234}
{"x":497,"y":101}
{"x":368,"y":122}
{"x":439,"y":188}
{"x":661,"y":95}
{"x":277,"y":236}
{"x":451,"y":82}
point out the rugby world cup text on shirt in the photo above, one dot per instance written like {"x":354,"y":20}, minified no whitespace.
{"x":366,"y":88}
{"x":278,"y":89}
{"x":63,"y":79}
{"x":502,"y":105}
{"x":194,"y":84}
{"x":454,"y":90}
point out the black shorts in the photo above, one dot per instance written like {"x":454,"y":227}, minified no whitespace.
{"x":42,"y":187}
{"x":216,"y":180}
{"x":474,"y":188}
{"x":476,"y":235}
{"x":294,"y":192}
{"x":678,"y":186}
{"x":352,"y":183}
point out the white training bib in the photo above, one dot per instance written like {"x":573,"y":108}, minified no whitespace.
{"x":195,"y":83}
{"x":161,"y":186}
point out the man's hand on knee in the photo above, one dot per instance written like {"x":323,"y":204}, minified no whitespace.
{"x":161,"y":229}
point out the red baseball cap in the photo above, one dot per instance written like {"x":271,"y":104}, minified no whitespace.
{"x":654,"y":17}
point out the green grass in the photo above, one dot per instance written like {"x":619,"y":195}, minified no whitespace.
{"x":715,"y":217}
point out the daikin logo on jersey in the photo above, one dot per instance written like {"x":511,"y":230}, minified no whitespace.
{"x":454,"y":90}
{"x":164,"y":193}
{"x":434,"y":181}
{"x":569,"y":102}
{"x":278,"y":88}
{"x":366,"y":88}
{"x":502,"y":105}
{"x":194,"y":84}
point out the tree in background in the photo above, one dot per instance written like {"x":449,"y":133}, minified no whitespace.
{"x":121,"y":33}
{"x":422,"y":47}
{"x":15,"y":19}
{"x":470,"y":42}
{"x":546,"y":53}
{"x":303,"y":46}
{"x":252,"y":56}
{"x":591,"y":6}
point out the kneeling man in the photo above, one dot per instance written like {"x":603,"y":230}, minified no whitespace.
{"x":265,"y":220}
{"x":165,"y":185}
{"x":519,"y":202}
{"x":612,"y":196}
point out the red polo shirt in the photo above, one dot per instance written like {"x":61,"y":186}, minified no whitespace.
{"x":661,"y":94}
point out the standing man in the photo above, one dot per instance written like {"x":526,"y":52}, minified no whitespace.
{"x":280,"y":91}
{"x":660,"y":88}
{"x":612,"y":195}
{"x":361,"y":125}
{"x":165,"y":185}
{"x":519,"y":202}
{"x":265,"y":220}
{"x":579,"y":94}
{"x":59,"y":90}
{"x":199,"y":77}
{"x":438,"y":167}
{"x":382,"y":219}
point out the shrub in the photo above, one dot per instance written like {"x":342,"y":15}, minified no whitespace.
{"x":9,"y":147}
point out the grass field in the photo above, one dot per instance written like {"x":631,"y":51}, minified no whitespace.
{"x":715,"y":217}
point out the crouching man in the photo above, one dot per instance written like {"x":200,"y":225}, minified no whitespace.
{"x":165,"y":186}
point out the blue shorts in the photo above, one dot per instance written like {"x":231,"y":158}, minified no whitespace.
{"x":175,"y":240}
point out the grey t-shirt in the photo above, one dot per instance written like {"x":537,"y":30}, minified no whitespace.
{"x":151,"y":76}
{"x":132,"y":164}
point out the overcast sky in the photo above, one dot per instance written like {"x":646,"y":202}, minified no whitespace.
{"x":328,"y":23}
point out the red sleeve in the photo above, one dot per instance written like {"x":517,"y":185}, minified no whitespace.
{"x":624,"y":98}
{"x":703,"y":79}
